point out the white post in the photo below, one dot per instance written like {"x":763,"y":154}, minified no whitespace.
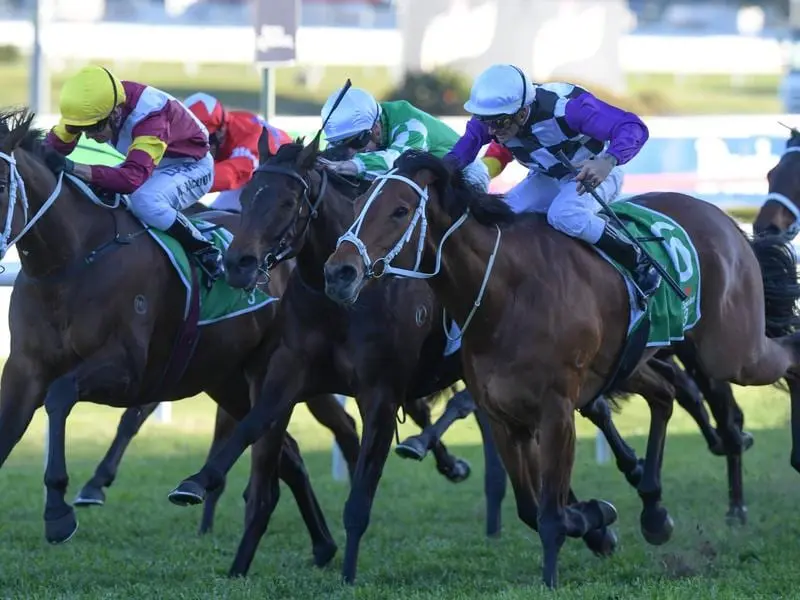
{"x":164,"y":412}
{"x":602,"y":452}
{"x":338,"y":463}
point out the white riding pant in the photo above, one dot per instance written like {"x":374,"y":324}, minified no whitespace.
{"x":176,"y":184}
{"x":477,"y":173}
{"x":228,"y":200}
{"x":566,"y":211}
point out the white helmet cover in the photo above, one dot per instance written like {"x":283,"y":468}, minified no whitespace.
{"x":357,"y":112}
{"x":500,"y":90}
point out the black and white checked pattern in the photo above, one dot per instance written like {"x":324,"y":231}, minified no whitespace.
{"x":546,"y":132}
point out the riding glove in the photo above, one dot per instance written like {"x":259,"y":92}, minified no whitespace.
{"x":57,"y":162}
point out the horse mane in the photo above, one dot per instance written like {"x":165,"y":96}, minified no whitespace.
{"x":455,"y":192}
{"x":18,"y":122}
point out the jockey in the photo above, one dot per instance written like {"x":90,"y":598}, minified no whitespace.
{"x":234,"y":145}
{"x":167,"y":164}
{"x":377,"y":133}
{"x":532,"y":123}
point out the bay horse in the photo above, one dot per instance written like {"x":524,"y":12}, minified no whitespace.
{"x":383,"y":350}
{"x":548,"y":316}
{"x":93,"y":316}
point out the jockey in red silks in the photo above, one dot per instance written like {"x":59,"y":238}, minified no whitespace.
{"x":167,"y":165}
{"x":234,"y":145}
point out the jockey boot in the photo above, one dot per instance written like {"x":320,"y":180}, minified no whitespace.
{"x":187,"y":235}
{"x":631,"y":258}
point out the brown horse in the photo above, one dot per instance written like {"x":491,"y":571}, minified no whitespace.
{"x":549,"y":316}
{"x":93,"y":316}
{"x":383,"y":350}
{"x":780,"y":215}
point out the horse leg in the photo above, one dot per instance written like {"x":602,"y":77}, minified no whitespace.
{"x":100,"y":376}
{"x":416,"y":447}
{"x":730,"y":420}
{"x":224,"y":424}
{"x":293,"y":472}
{"x":655,"y":522}
{"x":263,"y":493}
{"x":494,"y":480}
{"x":129,"y":424}
{"x":21,"y":393}
{"x":453,"y":468}
{"x":519,"y":454}
{"x":689,"y":398}
{"x":380,"y":409}
{"x":276,"y":397}
{"x":327,"y":410}
{"x":599,"y":413}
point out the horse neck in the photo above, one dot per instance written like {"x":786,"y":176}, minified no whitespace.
{"x":58,"y":236}
{"x":465,"y":258}
{"x":335,"y":213}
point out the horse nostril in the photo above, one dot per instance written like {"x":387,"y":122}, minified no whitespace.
{"x":342,"y":274}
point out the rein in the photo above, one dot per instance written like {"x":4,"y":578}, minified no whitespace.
{"x":420,"y":217}
{"x":784,"y":200}
{"x":284,"y":250}
{"x":17,"y":194}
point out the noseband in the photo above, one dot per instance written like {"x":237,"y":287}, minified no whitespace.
{"x":285,"y":247}
{"x":787,"y":203}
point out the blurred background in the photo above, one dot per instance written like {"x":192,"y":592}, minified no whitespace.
{"x":712,"y":78}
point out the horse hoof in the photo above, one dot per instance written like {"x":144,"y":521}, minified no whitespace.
{"x":657,"y":529}
{"x":90,"y":496}
{"x":747,"y":441}
{"x":411,"y":448}
{"x":456,"y":472}
{"x":608,"y":513}
{"x":188,"y":493}
{"x":737,"y":515}
{"x":62,"y":529}
{"x":324,"y":554}
{"x":602,"y":542}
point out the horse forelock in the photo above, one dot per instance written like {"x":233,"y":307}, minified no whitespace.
{"x":17,"y":123}
{"x":456,"y":193}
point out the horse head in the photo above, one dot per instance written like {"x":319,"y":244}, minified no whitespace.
{"x":780,"y":212}
{"x":393,"y":219}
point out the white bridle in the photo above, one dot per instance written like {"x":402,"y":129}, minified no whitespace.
{"x":794,"y":228}
{"x":16,"y":193}
{"x":419,"y":217}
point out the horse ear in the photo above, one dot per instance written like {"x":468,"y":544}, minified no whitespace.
{"x":308,"y":157}
{"x":263,"y":146}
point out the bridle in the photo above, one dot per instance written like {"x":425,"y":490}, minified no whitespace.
{"x":17,"y":195}
{"x":285,"y":249}
{"x":787,"y":203}
{"x":384,"y":265}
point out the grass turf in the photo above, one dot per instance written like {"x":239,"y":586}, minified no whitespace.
{"x":426,"y":535}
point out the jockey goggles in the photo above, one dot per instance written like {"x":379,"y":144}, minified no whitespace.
{"x":355,"y":142}
{"x":496,"y":121}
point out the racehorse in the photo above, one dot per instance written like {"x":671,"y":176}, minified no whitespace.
{"x":94,"y":313}
{"x":383,"y":351}
{"x":544,"y":319}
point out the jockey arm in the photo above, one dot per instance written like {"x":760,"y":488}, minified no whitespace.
{"x":145,"y":152}
{"x":497,"y":158}
{"x":412,"y":134}
{"x":468,"y":146}
{"x":625,"y":132}
{"x":61,"y":140}
{"x":236,"y":170}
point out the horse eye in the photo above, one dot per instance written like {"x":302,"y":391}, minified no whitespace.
{"x":400,"y":212}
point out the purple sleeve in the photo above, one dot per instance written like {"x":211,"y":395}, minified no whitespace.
{"x":590,"y":116}
{"x":467,"y":147}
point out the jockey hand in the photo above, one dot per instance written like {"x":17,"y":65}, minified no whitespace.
{"x":57,"y":162}
{"x":342,"y":167}
{"x":593,"y":172}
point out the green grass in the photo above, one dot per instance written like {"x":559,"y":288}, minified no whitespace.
{"x":426,"y":535}
{"x":302,"y":90}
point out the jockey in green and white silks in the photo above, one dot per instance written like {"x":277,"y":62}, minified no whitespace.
{"x":377,"y":133}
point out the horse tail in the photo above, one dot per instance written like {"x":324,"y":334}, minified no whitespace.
{"x":778,"y":264}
